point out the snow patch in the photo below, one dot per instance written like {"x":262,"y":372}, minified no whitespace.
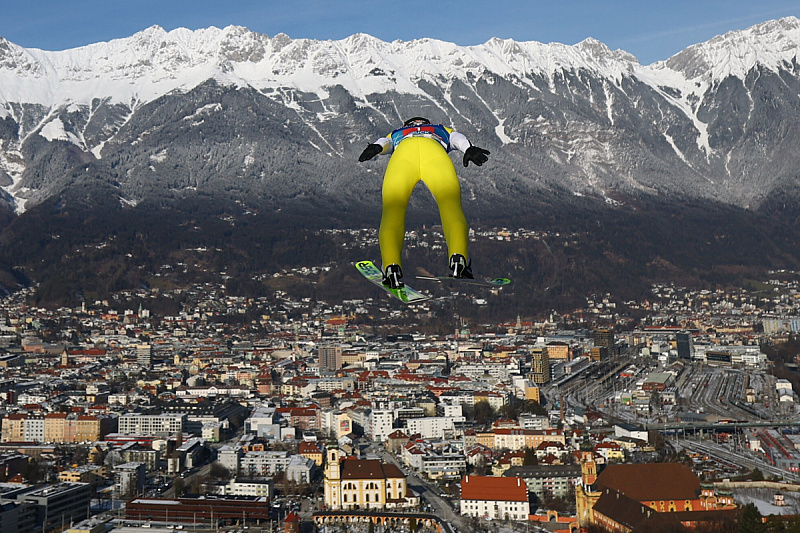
{"x":96,"y":151}
{"x":609,"y":104}
{"x":675,"y":148}
{"x":160,"y":157}
{"x":765,"y":507}
{"x":500,"y":131}
{"x":687,"y":91}
{"x":205,"y":110}
{"x":55,"y":131}
{"x":20,"y":205}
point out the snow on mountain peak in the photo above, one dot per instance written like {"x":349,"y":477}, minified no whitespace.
{"x":154,"y":62}
{"x":736,"y":53}
{"x":602,"y":54}
{"x":361,"y":41}
{"x":17,"y":59}
{"x":141,"y":67}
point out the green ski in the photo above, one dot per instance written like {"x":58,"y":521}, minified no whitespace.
{"x":404,"y":294}
{"x":494,"y":282}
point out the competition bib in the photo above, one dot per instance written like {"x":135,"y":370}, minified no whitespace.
{"x":432,"y":131}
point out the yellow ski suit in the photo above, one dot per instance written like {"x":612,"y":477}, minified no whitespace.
{"x":420,"y":153}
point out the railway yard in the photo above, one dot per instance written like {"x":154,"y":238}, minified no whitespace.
{"x":710,"y":414}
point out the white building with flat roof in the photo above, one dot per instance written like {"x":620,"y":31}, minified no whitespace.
{"x":267,"y":463}
{"x":380,"y":424}
{"x":158,"y":425}
{"x":434,"y":427}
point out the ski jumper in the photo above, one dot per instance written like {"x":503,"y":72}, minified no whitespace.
{"x":421,"y":153}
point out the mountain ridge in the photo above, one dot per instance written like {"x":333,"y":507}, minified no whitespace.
{"x":157,"y":51}
{"x":271,"y":127}
{"x":96,"y":89}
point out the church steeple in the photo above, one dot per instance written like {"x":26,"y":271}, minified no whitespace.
{"x":586,"y":495}
{"x":333,"y":478}
{"x":588,"y":470}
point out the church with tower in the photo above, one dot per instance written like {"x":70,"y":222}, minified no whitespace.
{"x":353,"y":483}
{"x":647,"y":497}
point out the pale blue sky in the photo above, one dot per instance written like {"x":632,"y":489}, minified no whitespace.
{"x":650,"y":30}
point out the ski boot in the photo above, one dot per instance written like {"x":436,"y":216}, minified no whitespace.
{"x":459,"y":268}
{"x":392,"y":275}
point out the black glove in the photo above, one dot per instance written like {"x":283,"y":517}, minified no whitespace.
{"x":369,"y":152}
{"x":477,"y":155}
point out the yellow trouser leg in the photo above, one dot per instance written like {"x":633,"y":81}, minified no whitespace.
{"x":415,"y":159}
{"x":402,"y":174}
{"x":440,"y":177}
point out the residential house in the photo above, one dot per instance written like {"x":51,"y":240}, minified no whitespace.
{"x":495,"y":498}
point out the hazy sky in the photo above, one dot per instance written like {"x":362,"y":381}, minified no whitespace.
{"x":650,"y":30}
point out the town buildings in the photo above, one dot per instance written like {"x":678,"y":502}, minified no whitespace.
{"x":18,"y":516}
{"x":545,"y":480}
{"x":624,"y":497}
{"x":352,"y":483}
{"x":54,"y":427}
{"x":449,"y":406}
{"x":495,"y":498}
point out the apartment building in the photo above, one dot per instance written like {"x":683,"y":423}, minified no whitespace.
{"x":158,"y":425}
{"x":495,"y":498}
{"x":54,"y":427}
{"x":268,"y":463}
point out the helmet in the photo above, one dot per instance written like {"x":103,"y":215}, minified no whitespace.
{"x":416,"y":121}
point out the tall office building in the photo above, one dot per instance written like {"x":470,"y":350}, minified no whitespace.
{"x":144,"y":355}
{"x":540,"y":366}
{"x":604,"y":337}
{"x":330,"y":358}
{"x":685,"y":345}
{"x":380,"y":424}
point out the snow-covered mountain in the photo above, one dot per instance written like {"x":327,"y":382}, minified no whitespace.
{"x":275,"y":121}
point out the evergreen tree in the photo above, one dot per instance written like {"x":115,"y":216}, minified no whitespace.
{"x":751,"y":520}
{"x":530,"y":457}
{"x":179,"y":487}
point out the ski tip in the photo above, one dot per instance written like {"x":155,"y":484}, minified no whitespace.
{"x":363,"y":264}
